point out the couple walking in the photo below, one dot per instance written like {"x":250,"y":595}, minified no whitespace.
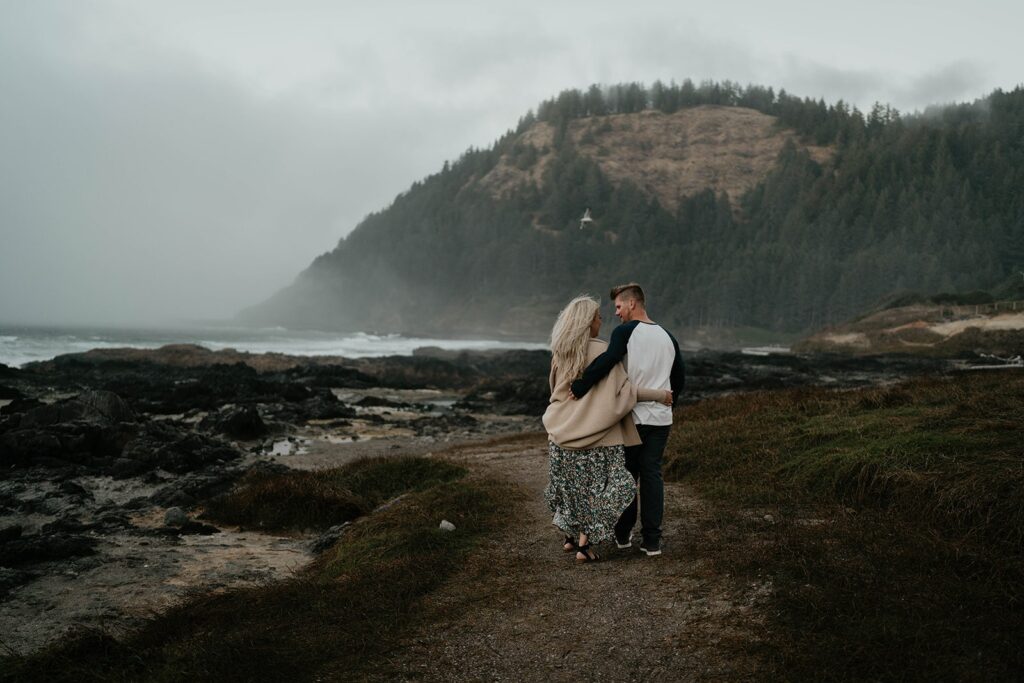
{"x":608,"y":421}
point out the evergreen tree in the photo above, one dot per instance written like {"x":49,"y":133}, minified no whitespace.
{"x":928,"y":202}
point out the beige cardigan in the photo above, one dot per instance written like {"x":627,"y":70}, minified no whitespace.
{"x":602,"y":417}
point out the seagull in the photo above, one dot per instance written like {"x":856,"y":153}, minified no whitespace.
{"x":586,"y":220}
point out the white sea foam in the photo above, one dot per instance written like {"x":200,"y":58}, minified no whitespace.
{"x":43,"y":344}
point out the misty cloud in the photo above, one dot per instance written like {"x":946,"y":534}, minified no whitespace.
{"x":185,"y":160}
{"x":954,"y":82}
{"x":154,"y":190}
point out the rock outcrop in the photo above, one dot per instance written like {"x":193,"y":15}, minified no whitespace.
{"x":928,"y":329}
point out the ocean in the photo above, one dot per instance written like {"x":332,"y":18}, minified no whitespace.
{"x":20,"y":344}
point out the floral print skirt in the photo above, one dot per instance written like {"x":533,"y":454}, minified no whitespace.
{"x":588,"y":489}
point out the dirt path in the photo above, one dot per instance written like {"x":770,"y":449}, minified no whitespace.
{"x":523,"y":610}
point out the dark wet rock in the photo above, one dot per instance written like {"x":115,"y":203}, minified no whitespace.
{"x":328,"y":539}
{"x":113,"y":520}
{"x":137,"y":503}
{"x":177,"y":379}
{"x":90,"y":406}
{"x":7,"y":392}
{"x":153,"y":478}
{"x":326,"y":406}
{"x":170,"y":389}
{"x":443,"y":424}
{"x":59,"y":467}
{"x":710,"y":373}
{"x":193,"y":527}
{"x":493,"y":363}
{"x":189,"y":528}
{"x":204,"y":375}
{"x":187,"y":491}
{"x":44,"y":548}
{"x":164,"y":446}
{"x":175,"y":516}
{"x":176,"y":391}
{"x":9,"y":533}
{"x":19,"y":447}
{"x":120,"y":449}
{"x":75,"y":431}
{"x":418,"y":372}
{"x":237,"y":422}
{"x":68,"y":525}
{"x":122,"y":468}
{"x":173,"y":495}
{"x":12,"y":578}
{"x":521,"y":396}
{"x":379,"y":402}
{"x":338,"y":376}
{"x":20,"y":405}
{"x":321,"y":404}
{"x":158,"y":388}
{"x":70,"y":488}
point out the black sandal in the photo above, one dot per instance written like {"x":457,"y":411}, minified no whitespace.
{"x":570,"y":541}
{"x":590,"y":555}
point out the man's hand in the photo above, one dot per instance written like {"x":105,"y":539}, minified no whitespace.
{"x":668,"y":398}
{"x":577,"y":386}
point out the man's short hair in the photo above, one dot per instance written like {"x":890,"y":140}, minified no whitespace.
{"x":629,"y":291}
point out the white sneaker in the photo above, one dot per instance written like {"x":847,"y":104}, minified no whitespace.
{"x":652,"y":551}
{"x":621,"y":546}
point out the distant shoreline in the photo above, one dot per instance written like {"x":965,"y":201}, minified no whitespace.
{"x":20,"y":345}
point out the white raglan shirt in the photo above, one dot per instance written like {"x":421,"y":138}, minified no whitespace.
{"x":650,"y":354}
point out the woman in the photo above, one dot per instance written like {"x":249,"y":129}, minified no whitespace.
{"x":588,"y":486}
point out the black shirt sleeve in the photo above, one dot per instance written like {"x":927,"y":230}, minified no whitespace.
{"x":677,"y":378}
{"x":604,"y":363}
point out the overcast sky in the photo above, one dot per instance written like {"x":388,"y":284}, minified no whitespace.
{"x":180,"y":160}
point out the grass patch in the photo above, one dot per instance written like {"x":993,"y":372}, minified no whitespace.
{"x":898,"y":548}
{"x":323,"y":498}
{"x":334,"y":620}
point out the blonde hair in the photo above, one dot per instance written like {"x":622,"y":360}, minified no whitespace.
{"x":570,"y":335}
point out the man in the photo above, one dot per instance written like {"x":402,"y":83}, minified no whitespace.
{"x":652,"y":359}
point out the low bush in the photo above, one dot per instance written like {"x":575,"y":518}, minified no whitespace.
{"x":320,"y":499}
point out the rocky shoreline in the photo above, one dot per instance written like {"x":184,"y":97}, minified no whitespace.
{"x":107,"y":457}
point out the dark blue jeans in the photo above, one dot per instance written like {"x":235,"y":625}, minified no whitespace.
{"x":644,"y":463}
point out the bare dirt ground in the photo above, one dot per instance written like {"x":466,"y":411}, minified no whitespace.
{"x":523,"y":610}
{"x":995,"y":328}
{"x":668,"y":156}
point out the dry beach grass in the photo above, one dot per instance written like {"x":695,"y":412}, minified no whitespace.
{"x":896,"y":520}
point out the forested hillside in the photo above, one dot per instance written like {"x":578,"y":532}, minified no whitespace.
{"x":849,"y":209}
